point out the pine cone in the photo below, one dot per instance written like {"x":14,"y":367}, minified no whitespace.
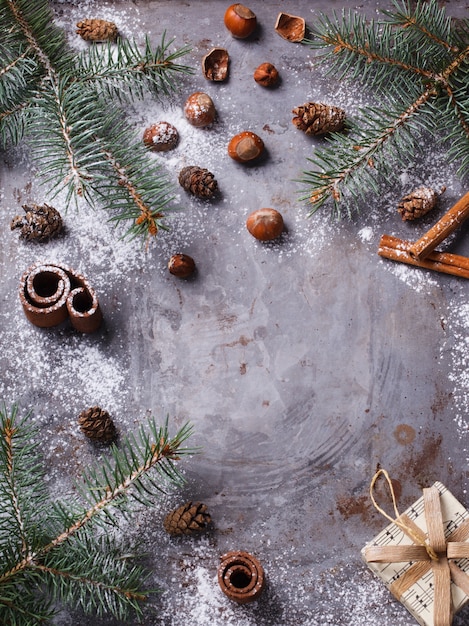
{"x":417,"y":203}
{"x":188,"y":519}
{"x":318,"y":119}
{"x":40,"y":223}
{"x":97,"y":30}
{"x":96,"y":424}
{"x":198,"y":181}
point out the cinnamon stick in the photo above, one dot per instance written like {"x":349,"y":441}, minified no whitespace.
{"x":399,"y":250}
{"x":444,"y":227}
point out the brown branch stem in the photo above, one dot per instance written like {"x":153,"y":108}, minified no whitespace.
{"x":94,"y":583}
{"x":8,"y":434}
{"x":366,"y":154}
{"x":4,"y":70}
{"x":158,"y":453}
{"x":340,"y":44}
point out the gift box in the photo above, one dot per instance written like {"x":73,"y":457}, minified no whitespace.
{"x":423,"y":556}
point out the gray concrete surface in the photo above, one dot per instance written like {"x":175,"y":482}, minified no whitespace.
{"x":301,"y":363}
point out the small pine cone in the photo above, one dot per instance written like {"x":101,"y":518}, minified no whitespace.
{"x":417,"y":203}
{"x":315,"y":118}
{"x":97,"y":30}
{"x":40,"y":222}
{"x":198,"y":181}
{"x":96,"y":424}
{"x":188,"y":519}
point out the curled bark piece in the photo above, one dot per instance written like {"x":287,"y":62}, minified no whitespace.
{"x":51,"y":293}
{"x":43,"y":294}
{"x":241,"y":577}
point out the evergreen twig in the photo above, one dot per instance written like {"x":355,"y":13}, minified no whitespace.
{"x":64,"y":103}
{"x":416,"y":59}
{"x":54,"y":551}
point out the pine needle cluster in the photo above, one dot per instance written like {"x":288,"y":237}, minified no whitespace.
{"x":416,"y":59}
{"x":61,"y":551}
{"x":66,"y":105}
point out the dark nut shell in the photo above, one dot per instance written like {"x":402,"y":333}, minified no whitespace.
{"x":245,"y":146}
{"x":181,"y":265}
{"x":161,"y":137}
{"x":199,"y":109}
{"x":290,"y":27}
{"x":215,"y":64}
{"x":240,"y":21}
{"x":265,"y":224}
{"x":266,"y":75}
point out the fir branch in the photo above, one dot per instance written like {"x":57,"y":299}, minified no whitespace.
{"x":71,"y":561}
{"x":123,"y":70}
{"x":424,"y":22}
{"x":417,"y":53}
{"x":60,"y":101}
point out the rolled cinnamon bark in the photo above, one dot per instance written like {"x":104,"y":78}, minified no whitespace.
{"x":398,"y":250}
{"x":450,"y":221}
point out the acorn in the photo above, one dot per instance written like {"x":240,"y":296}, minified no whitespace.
{"x":181,"y":265}
{"x":265,"y":224}
{"x":161,"y":137}
{"x":240,"y":21}
{"x":266,"y":75}
{"x":199,"y":109}
{"x":245,"y":146}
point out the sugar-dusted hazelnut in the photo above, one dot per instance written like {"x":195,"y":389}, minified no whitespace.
{"x":240,"y":21}
{"x":245,"y":146}
{"x":266,"y":75}
{"x":161,"y":137}
{"x":265,"y":224}
{"x":199,"y":109}
{"x":181,"y":265}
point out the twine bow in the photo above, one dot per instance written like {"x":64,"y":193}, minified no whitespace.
{"x":430,"y":551}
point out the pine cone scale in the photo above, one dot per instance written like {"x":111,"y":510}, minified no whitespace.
{"x":417,"y":203}
{"x":188,"y":519}
{"x":97,"y":30}
{"x":40,"y":222}
{"x":96,"y":424}
{"x":198,"y":181}
{"x":315,"y":118}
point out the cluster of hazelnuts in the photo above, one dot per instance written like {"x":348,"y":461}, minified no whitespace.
{"x":264,"y":224}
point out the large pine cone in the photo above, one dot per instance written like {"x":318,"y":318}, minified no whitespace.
{"x":315,"y":118}
{"x":198,"y":181}
{"x":97,"y":30}
{"x":417,"y":203}
{"x":188,"y":519}
{"x":40,"y":222}
{"x":96,"y":424}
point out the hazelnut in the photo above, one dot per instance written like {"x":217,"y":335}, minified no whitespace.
{"x":181,"y":265}
{"x":245,"y":146}
{"x":290,"y":27}
{"x":161,"y":137}
{"x":240,"y":20}
{"x":266,"y":75}
{"x":265,"y":224}
{"x":215,"y":64}
{"x":199,"y":109}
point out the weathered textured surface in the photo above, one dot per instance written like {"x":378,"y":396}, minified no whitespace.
{"x":302,"y":363}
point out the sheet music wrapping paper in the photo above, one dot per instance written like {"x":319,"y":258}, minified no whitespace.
{"x":418,"y":600}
